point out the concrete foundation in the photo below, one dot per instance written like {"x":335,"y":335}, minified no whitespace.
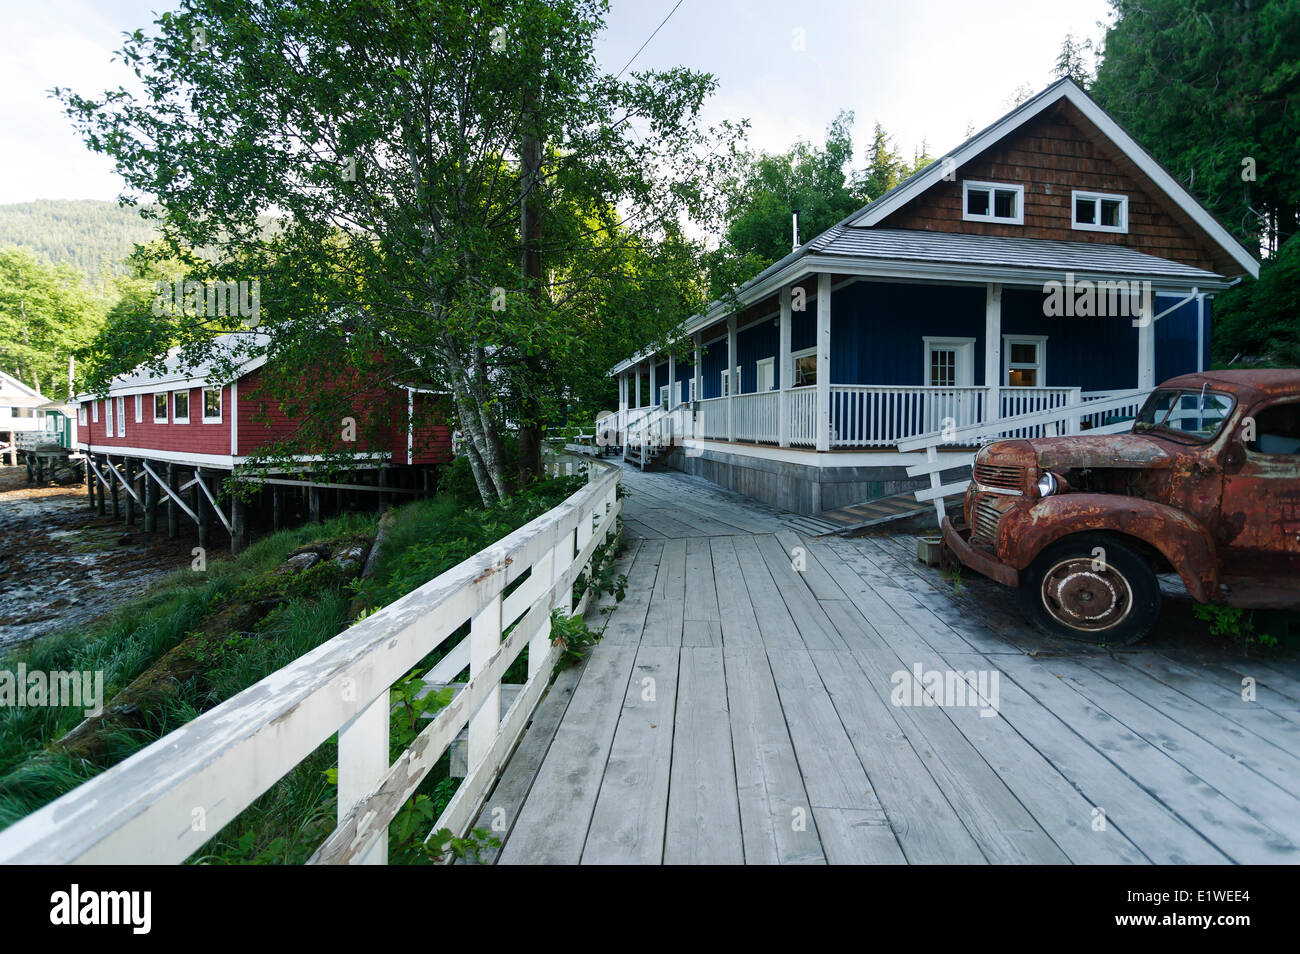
{"x":804,"y":488}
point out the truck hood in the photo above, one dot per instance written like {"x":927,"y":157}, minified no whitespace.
{"x":1136,"y":451}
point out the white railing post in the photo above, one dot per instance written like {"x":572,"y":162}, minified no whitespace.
{"x":484,"y":640}
{"x":823,"y":361}
{"x":1147,"y":345}
{"x":363,"y":763}
{"x":539,"y":646}
{"x":733,"y":384}
{"x":673,"y":392}
{"x":1073,"y":423}
{"x":784,"y":372}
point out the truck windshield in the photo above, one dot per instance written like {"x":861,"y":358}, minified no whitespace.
{"x":1197,"y":414}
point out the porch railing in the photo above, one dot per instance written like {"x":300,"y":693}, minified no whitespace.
{"x":868,"y":415}
{"x":147,"y":809}
{"x":801,"y":411}
{"x":756,"y":417}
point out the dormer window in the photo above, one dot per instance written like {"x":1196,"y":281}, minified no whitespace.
{"x":993,"y":202}
{"x":1100,"y":212}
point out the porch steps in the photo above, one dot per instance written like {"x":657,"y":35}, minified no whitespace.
{"x":869,"y":513}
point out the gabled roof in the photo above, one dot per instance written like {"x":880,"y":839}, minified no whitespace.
{"x":1064,"y":89}
{"x":177,"y":373}
{"x":13,"y":393}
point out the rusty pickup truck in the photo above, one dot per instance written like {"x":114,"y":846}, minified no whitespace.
{"x":1206,"y":484}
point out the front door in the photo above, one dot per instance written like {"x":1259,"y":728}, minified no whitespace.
{"x":948,"y":370}
{"x":766,"y":374}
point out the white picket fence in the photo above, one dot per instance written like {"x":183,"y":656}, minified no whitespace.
{"x":163,"y":803}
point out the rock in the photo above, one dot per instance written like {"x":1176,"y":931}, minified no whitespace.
{"x":303,"y":561}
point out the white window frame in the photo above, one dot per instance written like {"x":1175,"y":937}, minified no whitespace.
{"x":176,"y":418}
{"x":1096,"y":225}
{"x":108,"y":417}
{"x":139,"y":408}
{"x":664,"y":395}
{"x":94,"y":412}
{"x":965,"y":358}
{"x":203,"y":402}
{"x":1040,"y":366}
{"x":121,"y":417}
{"x":726,"y":382}
{"x":1019,"y":190}
{"x":166,"y":407}
{"x":81,"y":414}
{"x":759,"y":365}
{"x":692,"y":390}
{"x":794,"y":362}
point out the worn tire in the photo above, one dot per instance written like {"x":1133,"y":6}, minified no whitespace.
{"x":1062,"y":594}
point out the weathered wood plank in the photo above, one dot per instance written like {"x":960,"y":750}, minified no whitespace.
{"x":627,"y":824}
{"x":703,"y":809}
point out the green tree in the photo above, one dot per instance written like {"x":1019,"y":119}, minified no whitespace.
{"x":1212,"y":88}
{"x":46,"y":314}
{"x":1072,"y":61}
{"x":1260,"y":320}
{"x":885,"y":167}
{"x":399,"y":142}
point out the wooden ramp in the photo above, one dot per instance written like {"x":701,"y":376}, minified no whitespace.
{"x":742,"y":708}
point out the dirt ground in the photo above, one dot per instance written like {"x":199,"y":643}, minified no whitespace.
{"x":61,"y":565}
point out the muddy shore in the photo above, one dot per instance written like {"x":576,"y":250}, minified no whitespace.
{"x":61,"y":565}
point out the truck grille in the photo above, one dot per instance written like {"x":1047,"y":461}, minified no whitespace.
{"x":984,"y":518}
{"x":1005,"y":476}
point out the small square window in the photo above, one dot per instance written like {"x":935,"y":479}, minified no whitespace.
{"x":993,"y":202}
{"x":181,"y":407}
{"x":160,"y":408}
{"x":1024,"y":354}
{"x":212,"y":405}
{"x":1100,"y":212}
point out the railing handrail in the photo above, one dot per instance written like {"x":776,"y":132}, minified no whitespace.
{"x":147,"y":808}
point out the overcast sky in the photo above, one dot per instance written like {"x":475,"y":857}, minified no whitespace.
{"x":924,"y":68}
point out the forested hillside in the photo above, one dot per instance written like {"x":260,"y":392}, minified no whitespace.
{"x":91,"y":235}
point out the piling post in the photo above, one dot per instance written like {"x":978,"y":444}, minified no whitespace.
{"x":150,"y":504}
{"x":172,"y":509}
{"x":202,"y":507}
{"x":112,"y":486}
{"x":128,"y":468}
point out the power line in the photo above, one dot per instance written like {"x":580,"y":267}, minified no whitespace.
{"x":648,"y":39}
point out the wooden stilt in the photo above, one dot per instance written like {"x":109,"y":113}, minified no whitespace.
{"x":172,"y":510}
{"x":277,"y":507}
{"x":202,"y":508}
{"x":382,"y":479}
{"x":313,"y":499}
{"x":90,"y":486}
{"x":100,"y":500}
{"x":113,"y":484}
{"x":150,"y":504}
{"x":128,"y":470}
{"x":238,"y":524}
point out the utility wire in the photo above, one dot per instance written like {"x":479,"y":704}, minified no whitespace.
{"x":648,"y":39}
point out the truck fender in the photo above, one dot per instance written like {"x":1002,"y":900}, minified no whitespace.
{"x":1184,"y":541}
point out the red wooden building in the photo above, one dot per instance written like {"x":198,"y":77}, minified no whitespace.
{"x":175,"y":436}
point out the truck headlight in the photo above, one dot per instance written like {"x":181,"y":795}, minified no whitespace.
{"x":1047,"y":484}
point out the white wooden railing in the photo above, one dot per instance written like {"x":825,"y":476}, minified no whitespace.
{"x":711,"y":420}
{"x":163,"y":803}
{"x":801,"y":411}
{"x":869,"y":415}
{"x":1052,"y":422}
{"x":756,"y":417}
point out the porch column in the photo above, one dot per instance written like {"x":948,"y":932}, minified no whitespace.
{"x":823,"y":361}
{"x":699,"y":374}
{"x":622,"y":408}
{"x":784,"y":375}
{"x":654,"y":391}
{"x":993,"y":351}
{"x":638,"y":383}
{"x":673,"y":393}
{"x":1147,"y":344}
{"x":731,"y":377}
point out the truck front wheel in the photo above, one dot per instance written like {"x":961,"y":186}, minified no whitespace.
{"x":1093,"y":588}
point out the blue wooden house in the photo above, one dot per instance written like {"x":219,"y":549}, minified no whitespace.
{"x":1047,"y":269}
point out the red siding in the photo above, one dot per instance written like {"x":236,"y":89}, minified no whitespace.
{"x":432,"y":438}
{"x":195,"y":437}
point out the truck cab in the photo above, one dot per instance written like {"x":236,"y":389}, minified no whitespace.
{"x":1206,"y":484}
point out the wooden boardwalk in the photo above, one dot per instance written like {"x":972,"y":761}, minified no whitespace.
{"x":740,"y":709}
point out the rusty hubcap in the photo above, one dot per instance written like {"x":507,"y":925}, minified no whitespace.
{"x":1081,"y":597}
